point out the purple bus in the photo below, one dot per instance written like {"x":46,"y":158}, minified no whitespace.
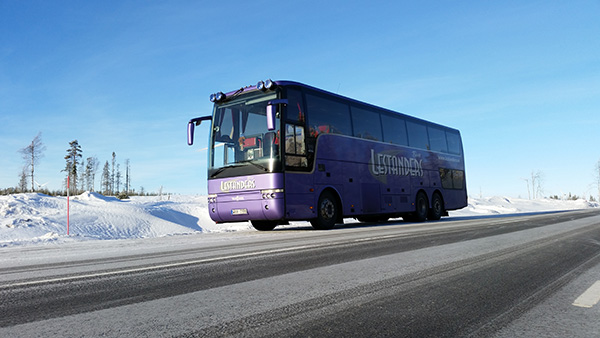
{"x":281,"y":151}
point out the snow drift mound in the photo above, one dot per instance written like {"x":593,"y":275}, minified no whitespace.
{"x":40,"y":218}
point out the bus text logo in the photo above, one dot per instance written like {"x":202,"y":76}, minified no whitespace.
{"x":385,"y":164}
{"x":238,"y":185}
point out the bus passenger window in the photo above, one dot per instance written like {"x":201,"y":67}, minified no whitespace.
{"x":366,"y":124}
{"x":394,"y":130}
{"x":437,"y":139}
{"x":453,"y":142}
{"x":330,"y":115}
{"x":417,"y":135}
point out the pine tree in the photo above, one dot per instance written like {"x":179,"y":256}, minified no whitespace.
{"x":72,"y":159}
{"x":22,"y":187}
{"x":127,"y":177}
{"x":112,"y":173}
{"x":31,"y":155}
{"x":105,"y":184}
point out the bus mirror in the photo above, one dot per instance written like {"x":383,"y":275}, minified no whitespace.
{"x":190,"y":133}
{"x":190,"y":129}
{"x":271,"y":117}
{"x":272,"y":112}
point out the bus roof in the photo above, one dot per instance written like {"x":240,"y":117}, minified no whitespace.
{"x":287,"y":83}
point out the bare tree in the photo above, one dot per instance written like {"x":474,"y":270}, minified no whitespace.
{"x":118,"y":180}
{"x":32,"y":154}
{"x":91,"y":168}
{"x":127,"y":176}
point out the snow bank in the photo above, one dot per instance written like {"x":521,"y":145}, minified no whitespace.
{"x":37,"y":218}
{"x":504,"y":206}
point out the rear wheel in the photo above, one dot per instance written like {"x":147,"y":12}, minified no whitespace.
{"x":421,"y":209}
{"x":264,"y":225}
{"x":437,"y":208}
{"x":327,"y":212}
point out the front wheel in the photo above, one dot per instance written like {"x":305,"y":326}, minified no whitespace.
{"x":327,"y":212}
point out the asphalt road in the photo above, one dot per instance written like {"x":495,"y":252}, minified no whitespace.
{"x":505,"y":276}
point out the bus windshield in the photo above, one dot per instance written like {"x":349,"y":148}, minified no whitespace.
{"x":241,"y":143}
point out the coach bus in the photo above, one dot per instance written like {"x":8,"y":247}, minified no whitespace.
{"x":282,"y":151}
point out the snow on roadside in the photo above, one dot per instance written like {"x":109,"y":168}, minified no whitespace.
{"x":504,"y":205}
{"x":36,"y":218}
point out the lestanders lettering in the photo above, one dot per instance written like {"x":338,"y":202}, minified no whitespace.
{"x":385,"y":164}
{"x":238,"y":185}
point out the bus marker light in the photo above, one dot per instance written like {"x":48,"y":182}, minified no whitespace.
{"x":260,"y":86}
{"x":269,"y":84}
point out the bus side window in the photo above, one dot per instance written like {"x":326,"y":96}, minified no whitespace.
{"x":327,"y":116}
{"x":417,"y":135}
{"x":437,"y":139}
{"x":394,"y":130}
{"x":366,"y":124}
{"x":453,"y":142}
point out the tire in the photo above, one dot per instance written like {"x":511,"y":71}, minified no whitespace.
{"x":327,"y":212}
{"x":264,"y":225}
{"x":421,"y":208}
{"x":437,"y":208}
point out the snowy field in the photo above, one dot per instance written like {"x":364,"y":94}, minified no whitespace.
{"x":33,"y":218}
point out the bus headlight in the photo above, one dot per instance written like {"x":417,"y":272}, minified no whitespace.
{"x":260,"y":86}
{"x":269,"y":84}
{"x":212,"y":198}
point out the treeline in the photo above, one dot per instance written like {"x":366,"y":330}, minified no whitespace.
{"x":81,"y":173}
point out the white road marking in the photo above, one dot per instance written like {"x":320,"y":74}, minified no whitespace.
{"x":590,"y":297}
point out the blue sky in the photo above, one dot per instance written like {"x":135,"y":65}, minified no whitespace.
{"x":519,"y":79}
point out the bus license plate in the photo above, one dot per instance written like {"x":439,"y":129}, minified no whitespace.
{"x":239,"y":211}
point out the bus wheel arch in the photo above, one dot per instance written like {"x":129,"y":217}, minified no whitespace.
{"x":437,"y":207}
{"x":329,"y":210}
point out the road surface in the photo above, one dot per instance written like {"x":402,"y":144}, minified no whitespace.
{"x":488,"y":276}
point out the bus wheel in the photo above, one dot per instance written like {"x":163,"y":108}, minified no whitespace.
{"x":264,"y":225}
{"x":327,"y":212}
{"x":421,"y":208}
{"x":437,"y":208}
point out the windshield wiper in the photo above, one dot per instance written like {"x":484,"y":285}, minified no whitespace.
{"x":259,"y":166}
{"x":220,"y":170}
